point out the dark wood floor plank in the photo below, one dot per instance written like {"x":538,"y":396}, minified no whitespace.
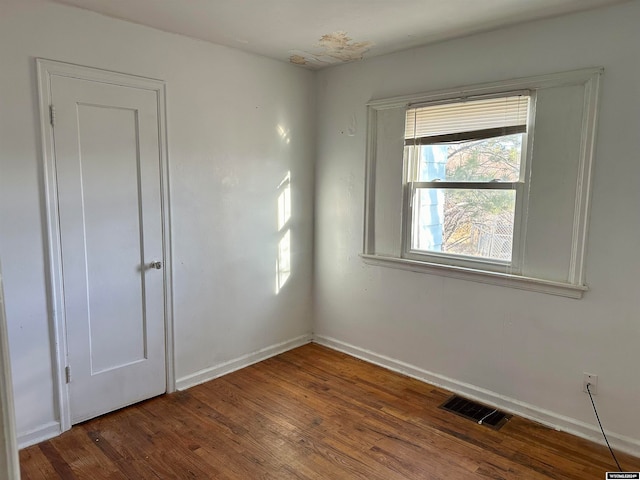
{"x":440,"y":443}
{"x":60,"y":466}
{"x":364,"y":428}
{"x":301,"y":425}
{"x":209,"y":440}
{"x":262,"y":440}
{"x":541,"y":461}
{"x":83,"y":457}
{"x":310,"y":414}
{"x":40,"y":466}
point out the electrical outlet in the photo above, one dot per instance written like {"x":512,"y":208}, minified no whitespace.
{"x":592,"y":380}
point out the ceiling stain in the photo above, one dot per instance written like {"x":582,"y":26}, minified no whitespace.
{"x":333,"y":47}
{"x":298,"y":59}
{"x":338,"y":45}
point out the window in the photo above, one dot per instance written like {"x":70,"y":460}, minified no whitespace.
{"x":487,"y":183}
{"x":465,"y":180}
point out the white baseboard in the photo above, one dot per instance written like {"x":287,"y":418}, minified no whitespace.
{"x":237,"y":363}
{"x":39,"y":434}
{"x":545,"y":417}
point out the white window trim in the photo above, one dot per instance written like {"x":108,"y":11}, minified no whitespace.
{"x":575,"y":287}
{"x":481,"y":276}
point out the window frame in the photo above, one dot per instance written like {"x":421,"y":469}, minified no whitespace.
{"x":520,"y":188}
{"x":575,"y":286}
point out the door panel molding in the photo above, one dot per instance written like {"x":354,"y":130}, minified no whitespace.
{"x":46,"y":70}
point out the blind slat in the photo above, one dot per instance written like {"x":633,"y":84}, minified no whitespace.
{"x":472,"y":115}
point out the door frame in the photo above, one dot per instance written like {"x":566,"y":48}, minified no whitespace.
{"x":58,"y":328}
{"x":9,"y":460}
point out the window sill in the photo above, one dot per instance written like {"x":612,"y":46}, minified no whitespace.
{"x":493,"y":278}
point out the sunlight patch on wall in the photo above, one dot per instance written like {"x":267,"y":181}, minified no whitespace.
{"x":284,"y":134}
{"x":283,"y":260}
{"x":284,"y":202}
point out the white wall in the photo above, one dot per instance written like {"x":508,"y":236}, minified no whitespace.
{"x":226,"y":160}
{"x":522,"y":350}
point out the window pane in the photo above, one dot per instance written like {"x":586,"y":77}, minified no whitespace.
{"x":495,"y":158}
{"x":477,"y":223}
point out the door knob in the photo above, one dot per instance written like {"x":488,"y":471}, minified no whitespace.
{"x":156,"y":265}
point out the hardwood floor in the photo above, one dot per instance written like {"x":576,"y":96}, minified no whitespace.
{"x":310,"y":413}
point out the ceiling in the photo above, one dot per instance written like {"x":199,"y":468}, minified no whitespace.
{"x":319,"y":33}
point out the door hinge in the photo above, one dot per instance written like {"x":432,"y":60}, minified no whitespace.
{"x":67,"y":374}
{"x":52,"y":115}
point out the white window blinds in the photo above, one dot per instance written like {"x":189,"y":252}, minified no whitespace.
{"x":467,"y":120}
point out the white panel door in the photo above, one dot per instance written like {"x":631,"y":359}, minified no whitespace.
{"x":107,"y":159}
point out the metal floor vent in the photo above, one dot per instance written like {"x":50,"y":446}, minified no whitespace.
{"x":475,"y":411}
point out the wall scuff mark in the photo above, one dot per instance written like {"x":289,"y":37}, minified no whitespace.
{"x":333,"y":48}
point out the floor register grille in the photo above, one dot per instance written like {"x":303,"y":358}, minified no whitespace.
{"x":475,"y":411}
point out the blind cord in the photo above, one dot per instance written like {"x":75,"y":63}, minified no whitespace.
{"x":602,"y":429}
